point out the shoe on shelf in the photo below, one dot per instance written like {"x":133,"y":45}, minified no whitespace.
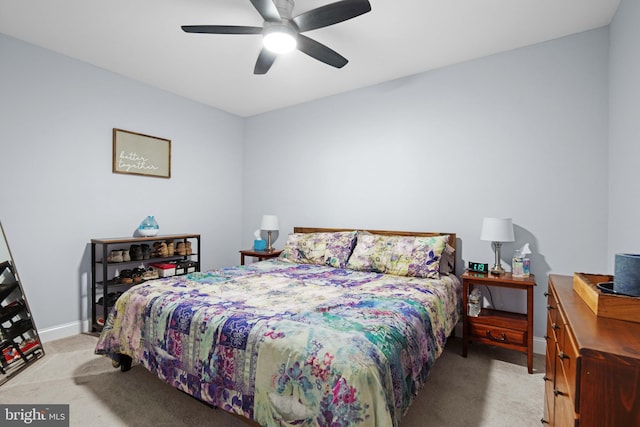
{"x":115,"y":256}
{"x":150,"y":273}
{"x":170,"y":247}
{"x":189,"y":251}
{"x":137,"y":274}
{"x":126,"y":277}
{"x":125,"y":255}
{"x":161,"y":249}
{"x":135,"y":252}
{"x":146,"y":251}
{"x":112,"y":297}
{"x":181,"y":249}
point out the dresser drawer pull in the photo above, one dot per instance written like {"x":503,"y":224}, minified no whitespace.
{"x":543,"y":421}
{"x":563,"y":356}
{"x":550,"y":307}
{"x":546,"y":294}
{"x":501,"y":339}
{"x":546,"y":378}
{"x":546,"y":337}
{"x":555,"y":326}
{"x":557,"y":392}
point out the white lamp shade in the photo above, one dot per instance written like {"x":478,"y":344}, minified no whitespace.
{"x":497,"y":230}
{"x":269,"y":222}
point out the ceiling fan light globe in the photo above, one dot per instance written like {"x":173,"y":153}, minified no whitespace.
{"x":279,"y":41}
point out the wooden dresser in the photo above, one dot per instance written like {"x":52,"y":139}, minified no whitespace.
{"x":592,"y":364}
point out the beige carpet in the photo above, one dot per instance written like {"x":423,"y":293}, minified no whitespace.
{"x":490,"y":388}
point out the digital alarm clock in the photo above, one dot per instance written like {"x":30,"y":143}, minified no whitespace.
{"x":478,"y":267}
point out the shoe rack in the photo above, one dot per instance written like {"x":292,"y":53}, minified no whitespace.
{"x":108,"y":261}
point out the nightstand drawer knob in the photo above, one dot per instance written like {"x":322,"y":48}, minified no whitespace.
{"x":550,"y":307}
{"x":546,"y":294}
{"x":543,"y":421}
{"x":555,"y":326}
{"x":503,"y":338}
{"x":546,"y":337}
{"x":545,"y":378}
{"x":563,"y":356}
{"x":557,"y":392}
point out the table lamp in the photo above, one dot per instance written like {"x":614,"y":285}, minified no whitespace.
{"x":497,"y":230}
{"x":269,"y":224}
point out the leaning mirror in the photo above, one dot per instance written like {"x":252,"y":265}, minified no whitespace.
{"x":19,"y":341}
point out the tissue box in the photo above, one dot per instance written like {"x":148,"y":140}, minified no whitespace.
{"x":164,"y":269}
{"x":259,"y":245}
{"x":520,"y":267}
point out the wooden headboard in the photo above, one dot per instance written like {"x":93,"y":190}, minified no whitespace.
{"x":452,"y":239}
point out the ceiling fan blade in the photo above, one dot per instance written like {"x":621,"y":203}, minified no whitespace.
{"x":320,"y":52}
{"x":265,"y":61}
{"x":331,"y":14}
{"x":221,"y":29}
{"x":267,"y":9}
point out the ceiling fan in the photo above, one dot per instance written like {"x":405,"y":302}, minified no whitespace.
{"x":281,"y":31}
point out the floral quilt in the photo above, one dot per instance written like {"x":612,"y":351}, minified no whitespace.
{"x":289,"y":344}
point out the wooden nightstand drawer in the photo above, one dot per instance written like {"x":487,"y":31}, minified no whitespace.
{"x":498,"y":334}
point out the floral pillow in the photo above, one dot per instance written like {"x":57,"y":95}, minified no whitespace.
{"x":332,"y":249}
{"x":413,"y":256}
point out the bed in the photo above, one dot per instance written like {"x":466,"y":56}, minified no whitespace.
{"x":341,"y":329}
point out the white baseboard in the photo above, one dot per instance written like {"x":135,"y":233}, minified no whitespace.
{"x":539,"y":345}
{"x":62,"y":331}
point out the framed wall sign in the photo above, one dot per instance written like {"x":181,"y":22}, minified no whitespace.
{"x":138,"y":154}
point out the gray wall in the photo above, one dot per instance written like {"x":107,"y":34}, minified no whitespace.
{"x":57,"y":116}
{"x":624,"y":149}
{"x":521,"y":134}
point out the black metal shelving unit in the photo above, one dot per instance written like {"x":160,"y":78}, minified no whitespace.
{"x":103,"y":272}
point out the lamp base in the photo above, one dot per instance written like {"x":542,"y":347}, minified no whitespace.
{"x":497,"y":270}
{"x":269,"y":247}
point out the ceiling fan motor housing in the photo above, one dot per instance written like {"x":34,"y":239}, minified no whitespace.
{"x":285,"y":8}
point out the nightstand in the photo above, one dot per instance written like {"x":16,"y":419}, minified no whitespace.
{"x":495,"y":327}
{"x":261,"y":255}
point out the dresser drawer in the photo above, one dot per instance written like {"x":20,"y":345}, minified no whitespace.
{"x":549,"y":383}
{"x":498,"y":334}
{"x":552,"y":305}
{"x":567,"y":361}
{"x":564,"y":415}
{"x":555,"y":321}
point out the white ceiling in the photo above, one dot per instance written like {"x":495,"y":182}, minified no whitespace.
{"x":142,"y":39}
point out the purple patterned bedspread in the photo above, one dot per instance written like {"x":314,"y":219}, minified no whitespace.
{"x":289,"y":344}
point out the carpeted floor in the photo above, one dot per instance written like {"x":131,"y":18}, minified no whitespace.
{"x":489,"y":388}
